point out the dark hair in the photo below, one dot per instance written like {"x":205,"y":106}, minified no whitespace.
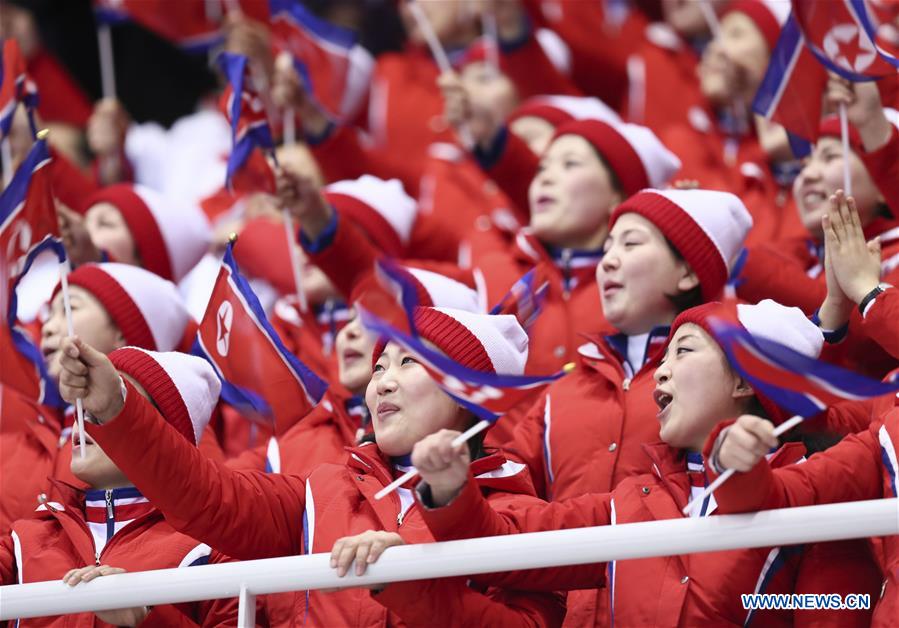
{"x":814,"y":440}
{"x":687,"y":299}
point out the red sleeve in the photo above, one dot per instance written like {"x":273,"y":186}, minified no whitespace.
{"x":879,"y":322}
{"x":526,"y":445}
{"x":348,"y":258}
{"x":451,"y":602}
{"x":883,"y":166}
{"x":8,"y":567}
{"x":341,"y":155}
{"x":533,"y":73}
{"x":771,"y":274}
{"x":842,"y":567}
{"x":848,"y":471}
{"x":845,"y":418}
{"x":244,"y":514}
{"x":513,"y":172}
{"x":471,"y":515}
{"x":209,"y":445}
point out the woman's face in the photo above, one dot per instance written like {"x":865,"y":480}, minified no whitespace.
{"x":572,"y":195}
{"x":110,"y":232}
{"x":734,"y":63}
{"x":695,"y":389}
{"x":406,"y":404}
{"x":822,"y":175}
{"x":636,"y":273}
{"x":354,"y":348}
{"x":90,"y":321}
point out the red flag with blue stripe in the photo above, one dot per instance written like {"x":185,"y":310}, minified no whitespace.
{"x":524,"y":300}
{"x":28,"y":227}
{"x":189,"y":24}
{"x":487,"y":395}
{"x":246,"y":114}
{"x":791,"y":91}
{"x":335,"y":69}
{"x":803,"y":385}
{"x":260,"y":377}
{"x":12,"y":82}
{"x":843,"y":36}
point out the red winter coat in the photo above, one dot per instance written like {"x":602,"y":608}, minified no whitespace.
{"x":792,"y":273}
{"x":56,"y":539}
{"x":703,"y":150}
{"x":295,"y":516}
{"x":321,"y":437}
{"x":692,"y":590}
{"x":862,"y":466}
{"x":586,"y":431}
{"x":662,"y":65}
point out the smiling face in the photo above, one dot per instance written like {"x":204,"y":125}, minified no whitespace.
{"x":96,"y":468}
{"x":90,"y":321}
{"x":572,"y":195}
{"x":637,"y":273}
{"x":110,"y":232}
{"x":734,"y":62}
{"x":695,"y":389}
{"x":406,"y":404}
{"x":822,"y":175}
{"x":354,"y":348}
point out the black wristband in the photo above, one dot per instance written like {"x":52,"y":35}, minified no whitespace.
{"x":870,"y":297}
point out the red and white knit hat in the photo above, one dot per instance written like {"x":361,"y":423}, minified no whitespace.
{"x":767,"y":319}
{"x":830,"y":127}
{"x":171,"y":237}
{"x":768,"y":15}
{"x":560,"y":109}
{"x":146,"y":308}
{"x":381,"y":208}
{"x":707,"y":228}
{"x":185,"y":388}
{"x":489,"y":343}
{"x":436,"y":290}
{"x":637,"y":157}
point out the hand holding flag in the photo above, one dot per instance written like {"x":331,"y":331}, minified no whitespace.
{"x":797,"y":382}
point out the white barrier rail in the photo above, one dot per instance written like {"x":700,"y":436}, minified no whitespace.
{"x":436,"y":560}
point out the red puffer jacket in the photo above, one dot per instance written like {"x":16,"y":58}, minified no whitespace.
{"x":862,"y":466}
{"x":691,"y":590}
{"x":585,"y":433}
{"x":258,"y":515}
{"x":56,"y":539}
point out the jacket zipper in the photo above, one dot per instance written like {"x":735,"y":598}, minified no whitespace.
{"x":566,"y":273}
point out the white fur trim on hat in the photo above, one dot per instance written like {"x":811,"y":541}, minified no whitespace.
{"x":785,"y":325}
{"x":579,"y":107}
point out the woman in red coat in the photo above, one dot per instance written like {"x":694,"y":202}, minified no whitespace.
{"x":695,"y":388}
{"x":110,"y":527}
{"x":862,"y":466}
{"x":249,"y":514}
{"x":113,"y":305}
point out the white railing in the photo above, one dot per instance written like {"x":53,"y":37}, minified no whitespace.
{"x":436,"y":560}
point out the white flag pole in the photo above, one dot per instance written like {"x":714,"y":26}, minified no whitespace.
{"x":440,"y":57}
{"x":464,"y":437}
{"x":107,"y":62}
{"x":70,"y":331}
{"x":844,"y":135}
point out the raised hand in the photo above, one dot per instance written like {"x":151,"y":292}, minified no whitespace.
{"x":302,"y":197}
{"x":443,"y":466}
{"x":75,"y":237}
{"x":87,"y":374}
{"x":854,"y":263}
{"x":863,"y":109}
{"x":745,"y":443}
{"x":463,"y":114}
